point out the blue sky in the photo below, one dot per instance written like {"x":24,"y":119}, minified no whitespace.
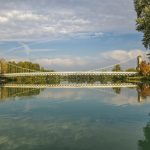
{"x":69,"y":34}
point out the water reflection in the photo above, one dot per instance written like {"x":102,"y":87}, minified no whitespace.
{"x":143,"y":91}
{"x":71,"y":134}
{"x":72,"y":119}
{"x":6,"y":93}
{"x":117,"y":90}
{"x":145,"y":143}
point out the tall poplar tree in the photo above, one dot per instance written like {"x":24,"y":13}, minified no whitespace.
{"x":142,"y":8}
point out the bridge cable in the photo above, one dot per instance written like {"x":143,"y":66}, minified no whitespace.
{"x":122,"y":62}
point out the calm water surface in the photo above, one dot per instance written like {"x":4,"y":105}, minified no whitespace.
{"x":74,"y":119}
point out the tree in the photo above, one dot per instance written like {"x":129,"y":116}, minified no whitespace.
{"x":142,"y":8}
{"x":117,"y":68}
{"x":145,"y":68}
{"x":3,"y":66}
{"x":131,"y":70}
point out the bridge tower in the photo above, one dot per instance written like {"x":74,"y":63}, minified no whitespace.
{"x":139,"y":61}
{"x":0,"y":67}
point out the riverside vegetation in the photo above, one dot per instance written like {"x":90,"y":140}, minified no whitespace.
{"x":5,"y":68}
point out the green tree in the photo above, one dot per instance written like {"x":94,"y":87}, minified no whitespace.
{"x":142,"y":8}
{"x":131,"y":69}
{"x":117,"y":68}
{"x":3,"y":66}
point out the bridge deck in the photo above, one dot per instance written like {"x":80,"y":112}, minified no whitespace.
{"x":40,"y":86}
{"x":68,"y":73}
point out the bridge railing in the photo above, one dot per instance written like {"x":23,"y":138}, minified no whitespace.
{"x":69,"y":73}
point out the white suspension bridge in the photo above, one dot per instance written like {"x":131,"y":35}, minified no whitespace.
{"x":68,"y":73}
{"x":51,"y":86}
{"x":24,"y":72}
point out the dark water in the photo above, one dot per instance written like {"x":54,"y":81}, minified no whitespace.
{"x":75,"y":119}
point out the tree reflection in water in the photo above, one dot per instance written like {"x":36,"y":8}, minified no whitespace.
{"x":117,"y":90}
{"x":17,"y":92}
{"x":145,"y":144}
{"x":143,"y":92}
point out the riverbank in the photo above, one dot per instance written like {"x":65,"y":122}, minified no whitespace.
{"x":138,"y":79}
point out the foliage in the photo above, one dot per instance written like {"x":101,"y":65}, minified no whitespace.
{"x":22,"y":66}
{"x":117,"y":68}
{"x":131,"y":70}
{"x":90,"y":79}
{"x":25,"y":66}
{"x":3,"y":66}
{"x":145,"y":68}
{"x":142,"y":8}
{"x":146,"y":79}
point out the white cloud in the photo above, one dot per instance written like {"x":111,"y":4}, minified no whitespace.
{"x":120,"y":55}
{"x":57,"y":61}
{"x":55,"y":18}
{"x":125,"y":58}
{"x":67,"y":62}
{"x":124,"y":100}
{"x":3,"y":19}
{"x":68,"y":94}
{"x":21,"y":15}
{"x":110,"y":58}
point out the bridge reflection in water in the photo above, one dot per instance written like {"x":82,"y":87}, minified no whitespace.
{"x":19,"y":90}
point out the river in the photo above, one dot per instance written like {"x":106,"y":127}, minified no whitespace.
{"x":74,"y":118}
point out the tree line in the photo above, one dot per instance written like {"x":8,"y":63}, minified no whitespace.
{"x":22,"y":66}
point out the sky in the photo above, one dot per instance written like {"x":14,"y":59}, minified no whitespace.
{"x":69,"y":34}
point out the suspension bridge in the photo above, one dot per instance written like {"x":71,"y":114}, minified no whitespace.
{"x":26,"y":72}
{"x":41,"y":86}
{"x":68,"y":73}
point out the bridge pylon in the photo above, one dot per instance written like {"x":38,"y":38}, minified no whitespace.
{"x":139,"y":61}
{"x":0,"y":67}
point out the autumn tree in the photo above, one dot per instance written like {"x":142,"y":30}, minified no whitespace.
{"x":145,"y":68}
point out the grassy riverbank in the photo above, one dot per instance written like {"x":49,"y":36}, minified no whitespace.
{"x":139,"y":79}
